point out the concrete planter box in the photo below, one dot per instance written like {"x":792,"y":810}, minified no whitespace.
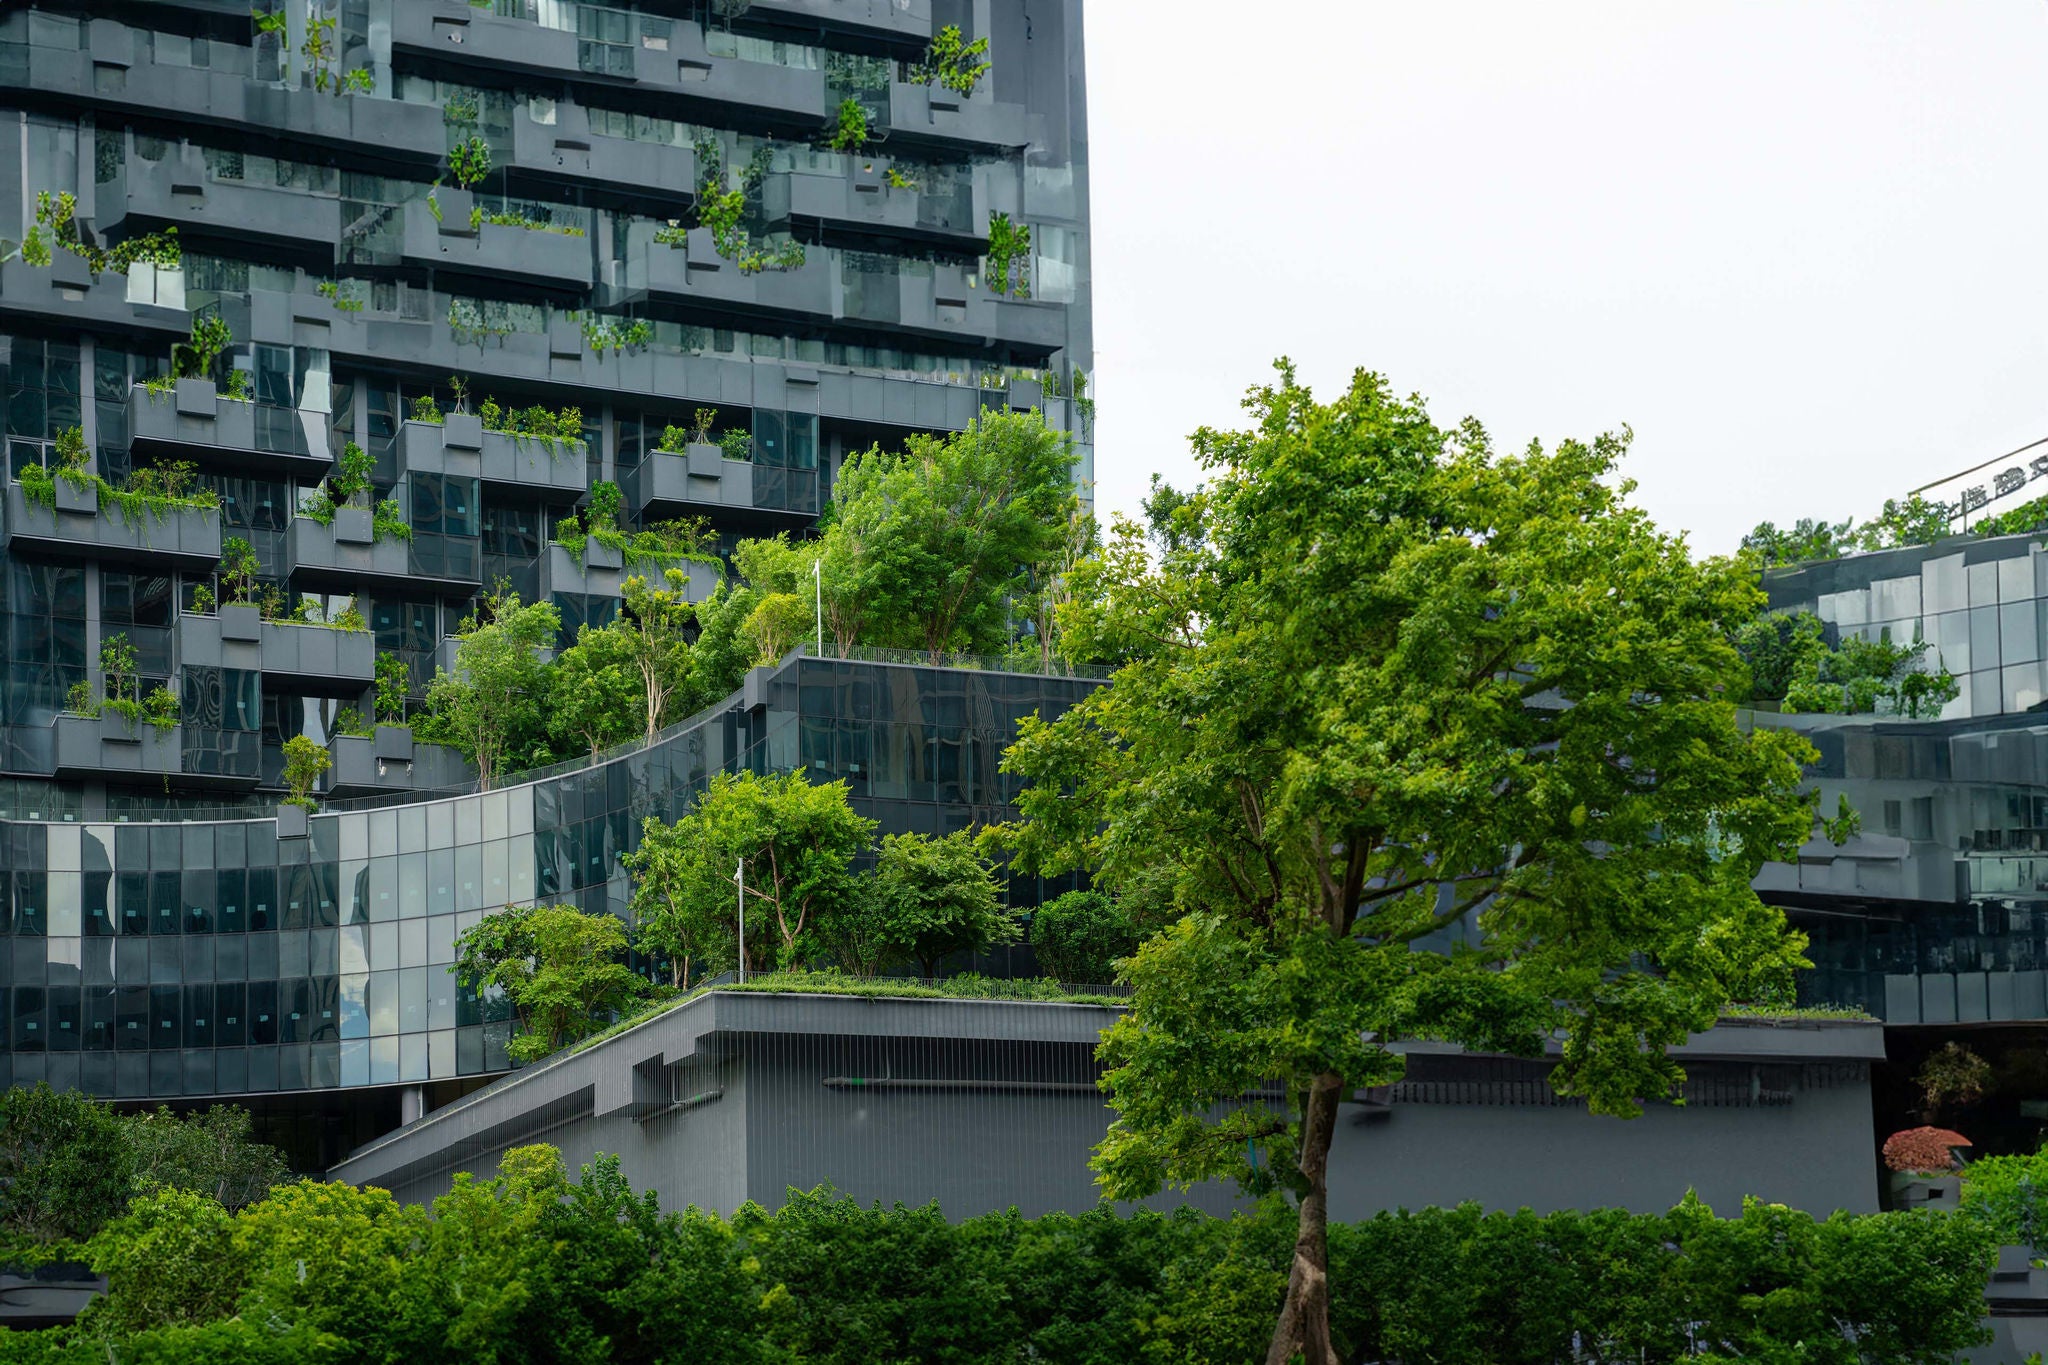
{"x":185,"y":539}
{"x":241,"y":621}
{"x":423,"y":448}
{"x":196,"y":398}
{"x":929,"y":114}
{"x":106,"y":746}
{"x":177,"y":191}
{"x":696,"y":274}
{"x":394,"y":743}
{"x":354,"y":526}
{"x":84,"y":499}
{"x":569,"y":154}
{"x":205,"y":641}
{"x":221,"y":433}
{"x":293,"y":822}
{"x":317,"y":659}
{"x":562,"y":575}
{"x":526,"y":462}
{"x":359,"y":770}
{"x":668,"y":485}
{"x":533,"y":256}
{"x":462,"y":431}
{"x":317,"y":557}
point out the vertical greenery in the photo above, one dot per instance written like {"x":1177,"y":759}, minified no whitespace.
{"x":492,"y":706}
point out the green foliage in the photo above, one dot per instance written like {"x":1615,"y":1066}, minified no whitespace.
{"x":560,"y":968}
{"x":1009,"y":246}
{"x":329,"y":1273}
{"x":607,"y":504}
{"x":491,"y":706}
{"x":1910,"y":521}
{"x":615,"y":334}
{"x":1860,"y":677}
{"x":425,"y":408}
{"x":469,"y":161}
{"x":597,"y":697}
{"x":239,"y":568}
{"x":1081,"y":935}
{"x":64,"y":1166}
{"x":198,"y":357}
{"x":1952,"y":1077}
{"x":56,"y":223}
{"x":722,"y":211}
{"x":561,"y":428}
{"x":2028,"y":516}
{"x":928,"y":899}
{"x":655,"y":643}
{"x":387,"y":522}
{"x":160,"y":708}
{"x":2009,"y":1196}
{"x":799,"y":842}
{"x":1385,"y":676}
{"x":925,"y":549}
{"x":951,"y":62}
{"x":849,"y":130}
{"x":394,"y":684}
{"x":348,"y":721}
{"x":304,"y":761}
{"x":1805,"y":540}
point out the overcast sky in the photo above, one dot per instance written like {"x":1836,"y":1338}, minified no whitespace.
{"x":1801,"y":247}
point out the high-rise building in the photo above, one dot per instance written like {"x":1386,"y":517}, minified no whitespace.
{"x":511,"y":251}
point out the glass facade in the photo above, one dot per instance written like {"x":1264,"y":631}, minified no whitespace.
{"x":1937,"y":911}
{"x":211,"y":957}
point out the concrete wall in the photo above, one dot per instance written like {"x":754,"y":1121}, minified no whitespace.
{"x":983,"y":1106}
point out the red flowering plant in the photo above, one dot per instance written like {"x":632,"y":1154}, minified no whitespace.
{"x":1924,"y":1151}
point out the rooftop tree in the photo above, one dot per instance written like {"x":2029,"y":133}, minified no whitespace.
{"x":932,"y":898}
{"x":1429,"y":742}
{"x":491,"y":706}
{"x":561,"y":968}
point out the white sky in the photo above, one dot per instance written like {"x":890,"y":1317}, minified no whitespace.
{"x":1801,"y":247}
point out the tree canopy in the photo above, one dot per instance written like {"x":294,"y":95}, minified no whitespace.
{"x":1426,"y":741}
{"x":562,"y":969}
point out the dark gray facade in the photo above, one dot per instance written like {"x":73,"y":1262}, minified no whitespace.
{"x":982,"y":1105}
{"x":857,"y":303}
{"x":162,"y":932}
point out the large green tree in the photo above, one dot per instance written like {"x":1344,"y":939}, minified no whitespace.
{"x":798,"y":841}
{"x":561,"y":968}
{"x":1430,"y":742}
{"x":925,"y":547}
{"x":934,"y":897}
{"x":493,"y":707}
{"x":596,"y":700}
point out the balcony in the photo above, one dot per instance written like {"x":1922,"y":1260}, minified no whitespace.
{"x":112,"y":746}
{"x":947,"y":301}
{"x":662,"y":62}
{"x":391,"y":761}
{"x":460,"y":446}
{"x":862,"y":206}
{"x":598,"y":575}
{"x":226,"y":434}
{"x":925,"y":115}
{"x":317,"y":660}
{"x":535,"y":257}
{"x":696,"y":278}
{"x":283,"y":225}
{"x":609,"y":170}
{"x":702,"y":482}
{"x":344,"y":557}
{"x":179,"y":539}
{"x":907,"y":24}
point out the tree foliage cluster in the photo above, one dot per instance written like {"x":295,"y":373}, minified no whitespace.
{"x":1790,"y":661}
{"x":1913,"y":520}
{"x":534,"y":1266}
{"x":961,"y":544}
{"x":1416,"y":739}
{"x":69,"y":1165}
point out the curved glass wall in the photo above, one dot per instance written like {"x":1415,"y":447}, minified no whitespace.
{"x":212,"y":958}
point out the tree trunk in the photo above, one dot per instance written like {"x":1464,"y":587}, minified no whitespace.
{"x":1304,"y":1328}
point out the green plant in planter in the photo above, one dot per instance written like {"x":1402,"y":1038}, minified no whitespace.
{"x":80,"y":701}
{"x":160,"y":708}
{"x":196,"y":357}
{"x":1009,"y":244}
{"x":348,"y":486}
{"x":606,"y":503}
{"x":394,"y":682}
{"x":736,"y":444}
{"x":458,"y":388}
{"x":350,"y":617}
{"x":202,"y":600}
{"x":849,"y":131}
{"x":426,"y":409}
{"x":238,"y":570}
{"x":388,"y":521}
{"x":349,"y":721}
{"x":304,"y":762}
{"x":952,"y":62}
{"x":469,"y":161}
{"x":56,"y":223}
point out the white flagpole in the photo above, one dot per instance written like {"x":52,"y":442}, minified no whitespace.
{"x":818,"y":580}
{"x":740,"y":876}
